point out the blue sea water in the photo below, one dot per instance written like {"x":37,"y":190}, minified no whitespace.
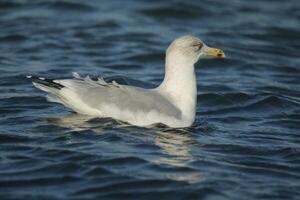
{"x":245,"y":143}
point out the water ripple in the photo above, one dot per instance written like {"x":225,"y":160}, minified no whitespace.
{"x":244,"y":142}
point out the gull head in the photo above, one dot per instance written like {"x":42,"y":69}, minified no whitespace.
{"x":191,"y":49}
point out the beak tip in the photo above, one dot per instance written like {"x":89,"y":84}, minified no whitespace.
{"x":221,"y":55}
{"x":218,"y":53}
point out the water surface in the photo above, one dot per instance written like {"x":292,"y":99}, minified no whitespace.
{"x":243,"y":145}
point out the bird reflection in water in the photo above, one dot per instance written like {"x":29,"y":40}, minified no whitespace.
{"x":175,"y":144}
{"x":78,"y":122}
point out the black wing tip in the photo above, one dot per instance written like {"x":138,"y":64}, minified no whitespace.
{"x":45,"y":81}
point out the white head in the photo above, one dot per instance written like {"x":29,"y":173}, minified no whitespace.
{"x":190,"y":49}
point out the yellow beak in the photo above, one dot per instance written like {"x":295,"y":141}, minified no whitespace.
{"x":215,"y":53}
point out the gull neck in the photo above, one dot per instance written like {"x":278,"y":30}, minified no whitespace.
{"x":180,"y":85}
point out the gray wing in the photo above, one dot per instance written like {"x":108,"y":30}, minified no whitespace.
{"x":97,"y":94}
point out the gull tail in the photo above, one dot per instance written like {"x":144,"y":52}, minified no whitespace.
{"x":45,"y":82}
{"x":48,"y":85}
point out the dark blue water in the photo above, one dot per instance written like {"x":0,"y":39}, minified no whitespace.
{"x":245,"y":143}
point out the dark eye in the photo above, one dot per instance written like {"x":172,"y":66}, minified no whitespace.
{"x":198,"y":46}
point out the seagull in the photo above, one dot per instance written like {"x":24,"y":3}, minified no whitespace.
{"x":172,"y":103}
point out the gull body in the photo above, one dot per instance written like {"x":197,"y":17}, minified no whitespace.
{"x":172,"y":103}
